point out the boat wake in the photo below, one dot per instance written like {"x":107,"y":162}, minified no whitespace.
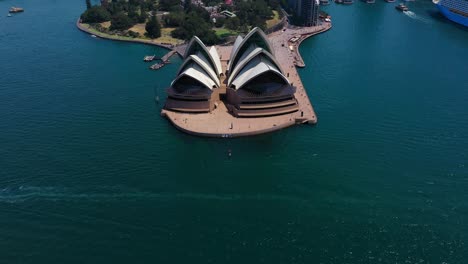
{"x":113,"y":194}
{"x":412,"y":15}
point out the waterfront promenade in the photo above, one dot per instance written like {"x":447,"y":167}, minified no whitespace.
{"x":220,"y":123}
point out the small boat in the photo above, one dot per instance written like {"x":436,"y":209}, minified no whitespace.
{"x":157,"y":66}
{"x":149,"y":58}
{"x":348,"y":2}
{"x":324,"y":2}
{"x":9,"y":15}
{"x":390,"y":1}
{"x":16,"y":9}
{"x":370,"y":1}
{"x":93,"y":36}
{"x":339,"y":1}
{"x":401,"y":7}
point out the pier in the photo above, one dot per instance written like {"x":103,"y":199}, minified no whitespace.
{"x":164,"y":60}
{"x":221,"y":123}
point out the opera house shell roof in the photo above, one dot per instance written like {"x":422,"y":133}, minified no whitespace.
{"x":252,"y":74}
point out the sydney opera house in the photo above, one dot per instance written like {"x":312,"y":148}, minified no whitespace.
{"x":249,"y":81}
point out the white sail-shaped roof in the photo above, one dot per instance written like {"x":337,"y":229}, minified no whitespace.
{"x":255,"y":37}
{"x":196,"y":45}
{"x":235,"y":46}
{"x":201,"y":61}
{"x":249,"y":55}
{"x":214,"y":54}
{"x":253,"y":69}
{"x":197,"y":73}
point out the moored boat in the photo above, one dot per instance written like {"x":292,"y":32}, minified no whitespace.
{"x":454,"y":10}
{"x":16,"y":9}
{"x":390,"y":1}
{"x":401,"y":7}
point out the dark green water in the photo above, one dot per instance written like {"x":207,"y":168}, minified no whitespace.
{"x":90,"y":173}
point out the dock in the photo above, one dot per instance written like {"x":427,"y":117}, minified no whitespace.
{"x":166,"y":57}
{"x":163,"y":61}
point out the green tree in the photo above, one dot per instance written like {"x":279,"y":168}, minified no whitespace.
{"x":96,"y":14}
{"x":169,"y":5}
{"x":194,"y":25}
{"x":232,"y":23}
{"x":133,"y":15}
{"x":143,"y":16}
{"x":174,"y":19}
{"x":121,"y":21}
{"x":220,"y":22}
{"x":153,"y":29}
{"x":88,"y":4}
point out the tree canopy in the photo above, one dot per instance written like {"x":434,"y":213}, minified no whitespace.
{"x":95,"y":14}
{"x":153,"y":28}
{"x":194,"y":25}
{"x":121,"y":21}
{"x":187,"y":18}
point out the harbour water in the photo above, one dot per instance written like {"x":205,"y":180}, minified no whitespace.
{"x":90,"y":173}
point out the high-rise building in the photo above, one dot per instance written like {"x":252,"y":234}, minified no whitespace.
{"x":307,"y":10}
{"x":310,"y":12}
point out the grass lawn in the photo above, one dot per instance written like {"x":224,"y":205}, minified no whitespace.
{"x":166,"y":37}
{"x":140,"y":28}
{"x":274,"y":20}
{"x":224,"y":32}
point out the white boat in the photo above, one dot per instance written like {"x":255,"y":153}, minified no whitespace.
{"x":9,"y":15}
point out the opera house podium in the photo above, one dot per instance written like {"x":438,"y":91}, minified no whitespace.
{"x":229,"y":91}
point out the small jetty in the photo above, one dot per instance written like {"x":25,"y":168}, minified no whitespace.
{"x":166,"y":57}
{"x":163,"y":61}
{"x":16,"y":10}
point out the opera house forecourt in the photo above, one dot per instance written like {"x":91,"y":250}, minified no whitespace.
{"x":238,"y":90}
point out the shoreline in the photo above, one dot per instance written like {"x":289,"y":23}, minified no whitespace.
{"x":87,"y":30}
{"x":299,"y":61}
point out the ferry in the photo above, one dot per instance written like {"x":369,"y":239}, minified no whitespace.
{"x":401,"y":7}
{"x":454,"y":10}
{"x":16,"y":9}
